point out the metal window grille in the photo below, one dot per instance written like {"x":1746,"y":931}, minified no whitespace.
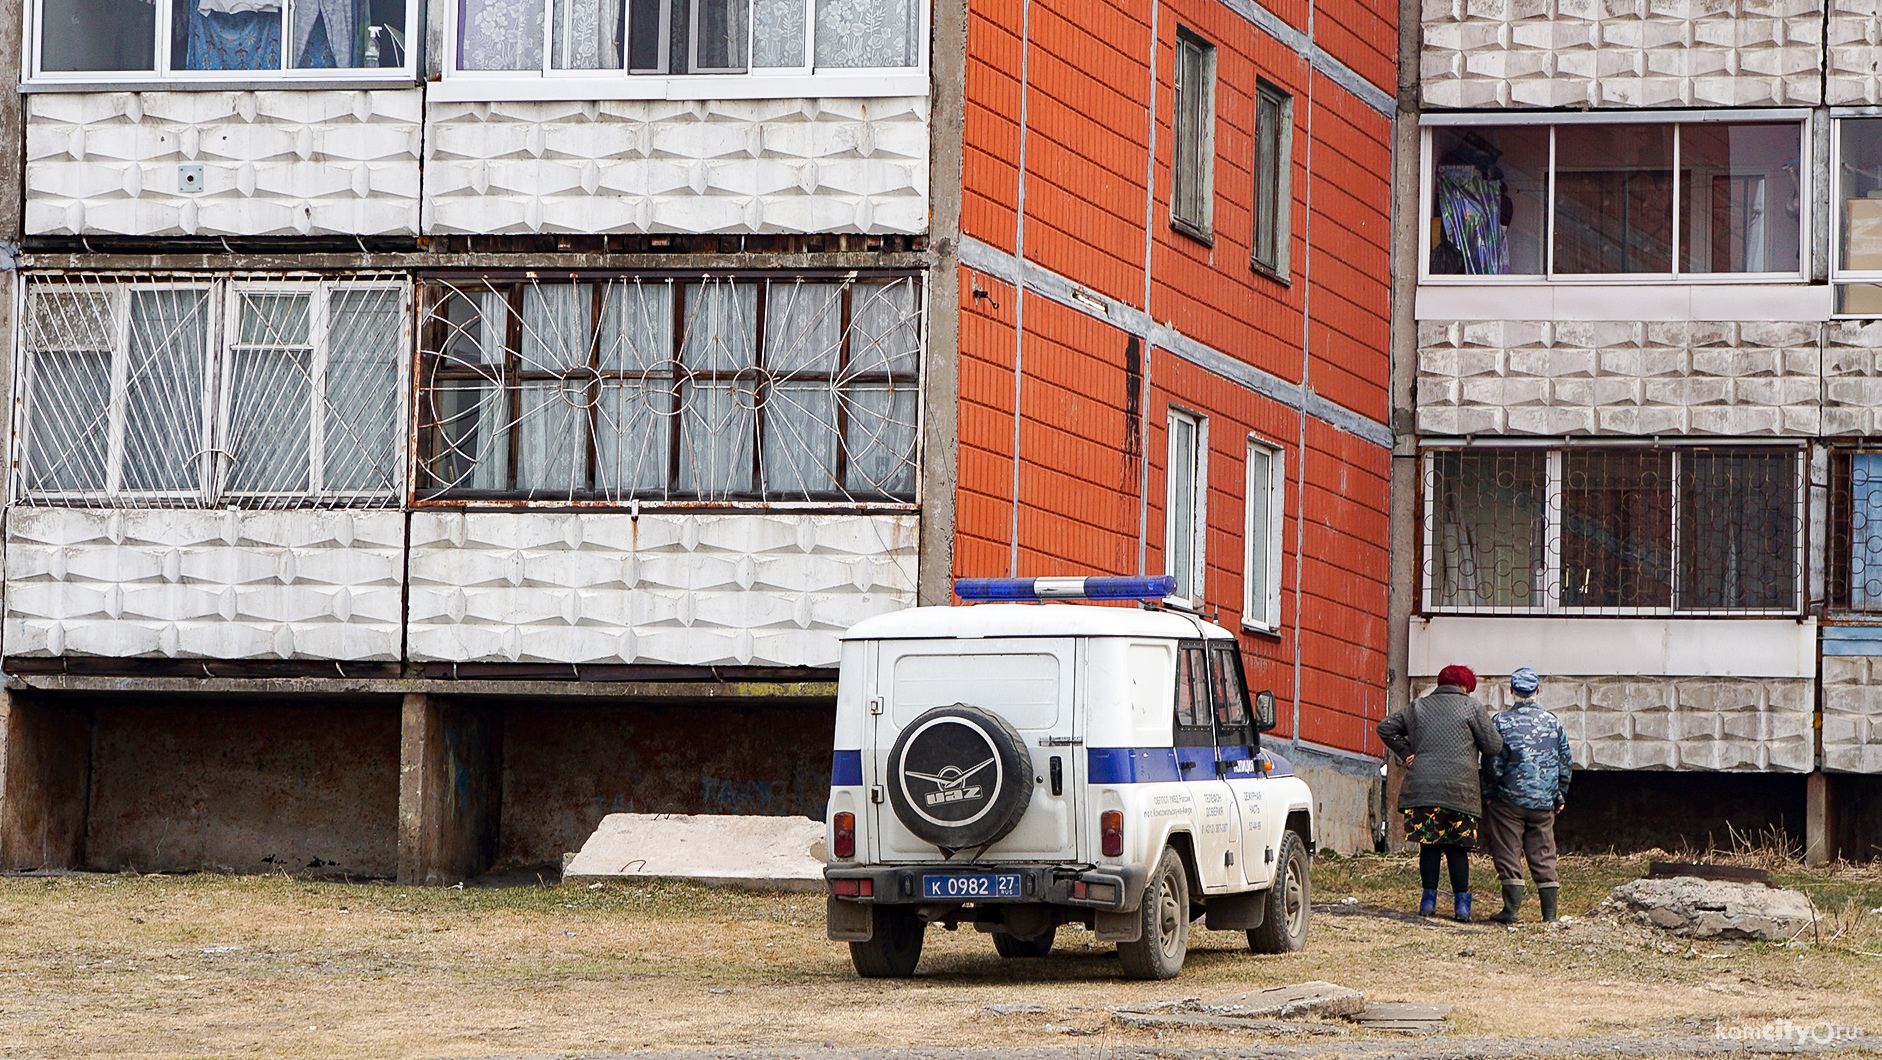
{"x":712,"y":390}
{"x":200,"y":390}
{"x":1854,"y":556}
{"x":1613,"y":530}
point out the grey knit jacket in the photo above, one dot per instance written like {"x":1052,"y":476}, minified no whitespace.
{"x":1446,"y":730}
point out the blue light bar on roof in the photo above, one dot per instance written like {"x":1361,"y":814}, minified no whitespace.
{"x":1096,"y":588}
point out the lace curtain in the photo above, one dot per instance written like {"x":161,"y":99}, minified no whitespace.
{"x":717,"y":427}
{"x":634,"y":417}
{"x":585,"y":34}
{"x":499,"y":35}
{"x":777,"y":33}
{"x":866,"y":33}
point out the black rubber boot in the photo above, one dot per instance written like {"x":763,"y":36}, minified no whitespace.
{"x":1548,"y":892}
{"x":1512,"y":901}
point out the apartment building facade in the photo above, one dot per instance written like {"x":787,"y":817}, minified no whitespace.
{"x":435,"y":426}
{"x":1639,"y":372}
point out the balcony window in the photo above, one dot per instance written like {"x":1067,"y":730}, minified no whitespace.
{"x":1641,"y":200}
{"x":1613,"y":530}
{"x":201,"y":391}
{"x":1855,"y":553}
{"x":221,"y":40}
{"x":709,"y":391}
{"x":629,"y":39}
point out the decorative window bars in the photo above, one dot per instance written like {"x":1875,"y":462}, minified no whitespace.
{"x":211,"y":390}
{"x":1613,"y":530}
{"x":1854,"y":558}
{"x":716,"y":390}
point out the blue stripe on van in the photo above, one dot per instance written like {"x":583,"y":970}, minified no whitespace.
{"x":1154,"y":765}
{"x":1148,"y":765}
{"x":846,"y":769}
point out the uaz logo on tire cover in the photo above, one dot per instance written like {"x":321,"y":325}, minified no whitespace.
{"x":949,"y":769}
{"x":951,"y":784}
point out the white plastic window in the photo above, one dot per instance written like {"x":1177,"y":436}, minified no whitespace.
{"x":632,"y":48}
{"x":1261,"y":566}
{"x":201,"y":392}
{"x":220,"y":40}
{"x":1186,"y":505}
{"x":1642,"y":200}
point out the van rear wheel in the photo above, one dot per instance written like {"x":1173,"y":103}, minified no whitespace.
{"x":1158,"y":952}
{"x":894,"y":947}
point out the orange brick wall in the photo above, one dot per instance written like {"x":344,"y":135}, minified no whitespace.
{"x":1087,"y":420}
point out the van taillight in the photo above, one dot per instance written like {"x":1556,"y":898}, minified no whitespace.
{"x":844,"y":845}
{"x":1111,"y":833}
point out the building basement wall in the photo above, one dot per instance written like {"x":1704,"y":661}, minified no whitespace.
{"x":565,"y":768}
{"x":221,"y":785}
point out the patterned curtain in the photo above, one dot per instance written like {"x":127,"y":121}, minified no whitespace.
{"x":1471,"y":207}
{"x":233,"y":35}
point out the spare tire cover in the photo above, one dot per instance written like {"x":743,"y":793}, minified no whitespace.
{"x":959,"y":777}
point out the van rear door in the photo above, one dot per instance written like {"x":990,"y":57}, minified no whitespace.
{"x":1031,"y":683}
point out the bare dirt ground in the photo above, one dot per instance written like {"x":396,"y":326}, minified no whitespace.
{"x":173,"y":967}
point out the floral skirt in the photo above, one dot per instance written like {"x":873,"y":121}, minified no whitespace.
{"x":1441,"y":827}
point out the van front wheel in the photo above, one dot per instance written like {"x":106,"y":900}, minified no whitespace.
{"x":1158,"y":953}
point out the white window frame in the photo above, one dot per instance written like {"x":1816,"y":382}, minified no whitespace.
{"x":213,"y":461}
{"x":165,"y":75}
{"x":1552,"y":536}
{"x":1197,"y":532}
{"x":1265,"y":527}
{"x":1554,"y":120}
{"x":1201,"y":227}
{"x":804,"y":81}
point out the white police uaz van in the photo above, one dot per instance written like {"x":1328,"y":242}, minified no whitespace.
{"x":1017,"y":767}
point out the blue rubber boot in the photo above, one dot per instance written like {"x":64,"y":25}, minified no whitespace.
{"x":1428,"y":904}
{"x":1463,"y":907}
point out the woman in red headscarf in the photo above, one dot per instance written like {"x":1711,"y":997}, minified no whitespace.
{"x":1440,"y":737}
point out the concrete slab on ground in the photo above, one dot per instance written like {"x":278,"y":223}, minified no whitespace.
{"x":763,"y":853}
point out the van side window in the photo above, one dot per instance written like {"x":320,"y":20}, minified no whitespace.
{"x":1193,"y":702}
{"x":1233,"y":724}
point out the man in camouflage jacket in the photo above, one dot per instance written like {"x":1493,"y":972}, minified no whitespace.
{"x":1527,"y":785}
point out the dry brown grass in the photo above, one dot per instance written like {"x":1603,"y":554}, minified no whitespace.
{"x":232,"y":966}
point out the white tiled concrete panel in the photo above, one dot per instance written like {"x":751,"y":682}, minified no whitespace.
{"x":1854,"y":77}
{"x":176,"y":583}
{"x":1852,"y":377}
{"x":725,"y":166}
{"x":1852,"y":714}
{"x":1675,"y":723}
{"x":275,"y":163}
{"x":1622,"y":53}
{"x":733,"y":589}
{"x":1620,"y":377}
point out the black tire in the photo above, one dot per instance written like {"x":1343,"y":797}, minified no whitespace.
{"x":895,"y":948}
{"x":1013,"y":947}
{"x":1158,"y":953}
{"x":959,"y":777}
{"x":1290,"y":902}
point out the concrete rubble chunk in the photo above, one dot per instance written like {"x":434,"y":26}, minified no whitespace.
{"x":1713,"y":909}
{"x":1294,"y":1001}
{"x":762,"y":853}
